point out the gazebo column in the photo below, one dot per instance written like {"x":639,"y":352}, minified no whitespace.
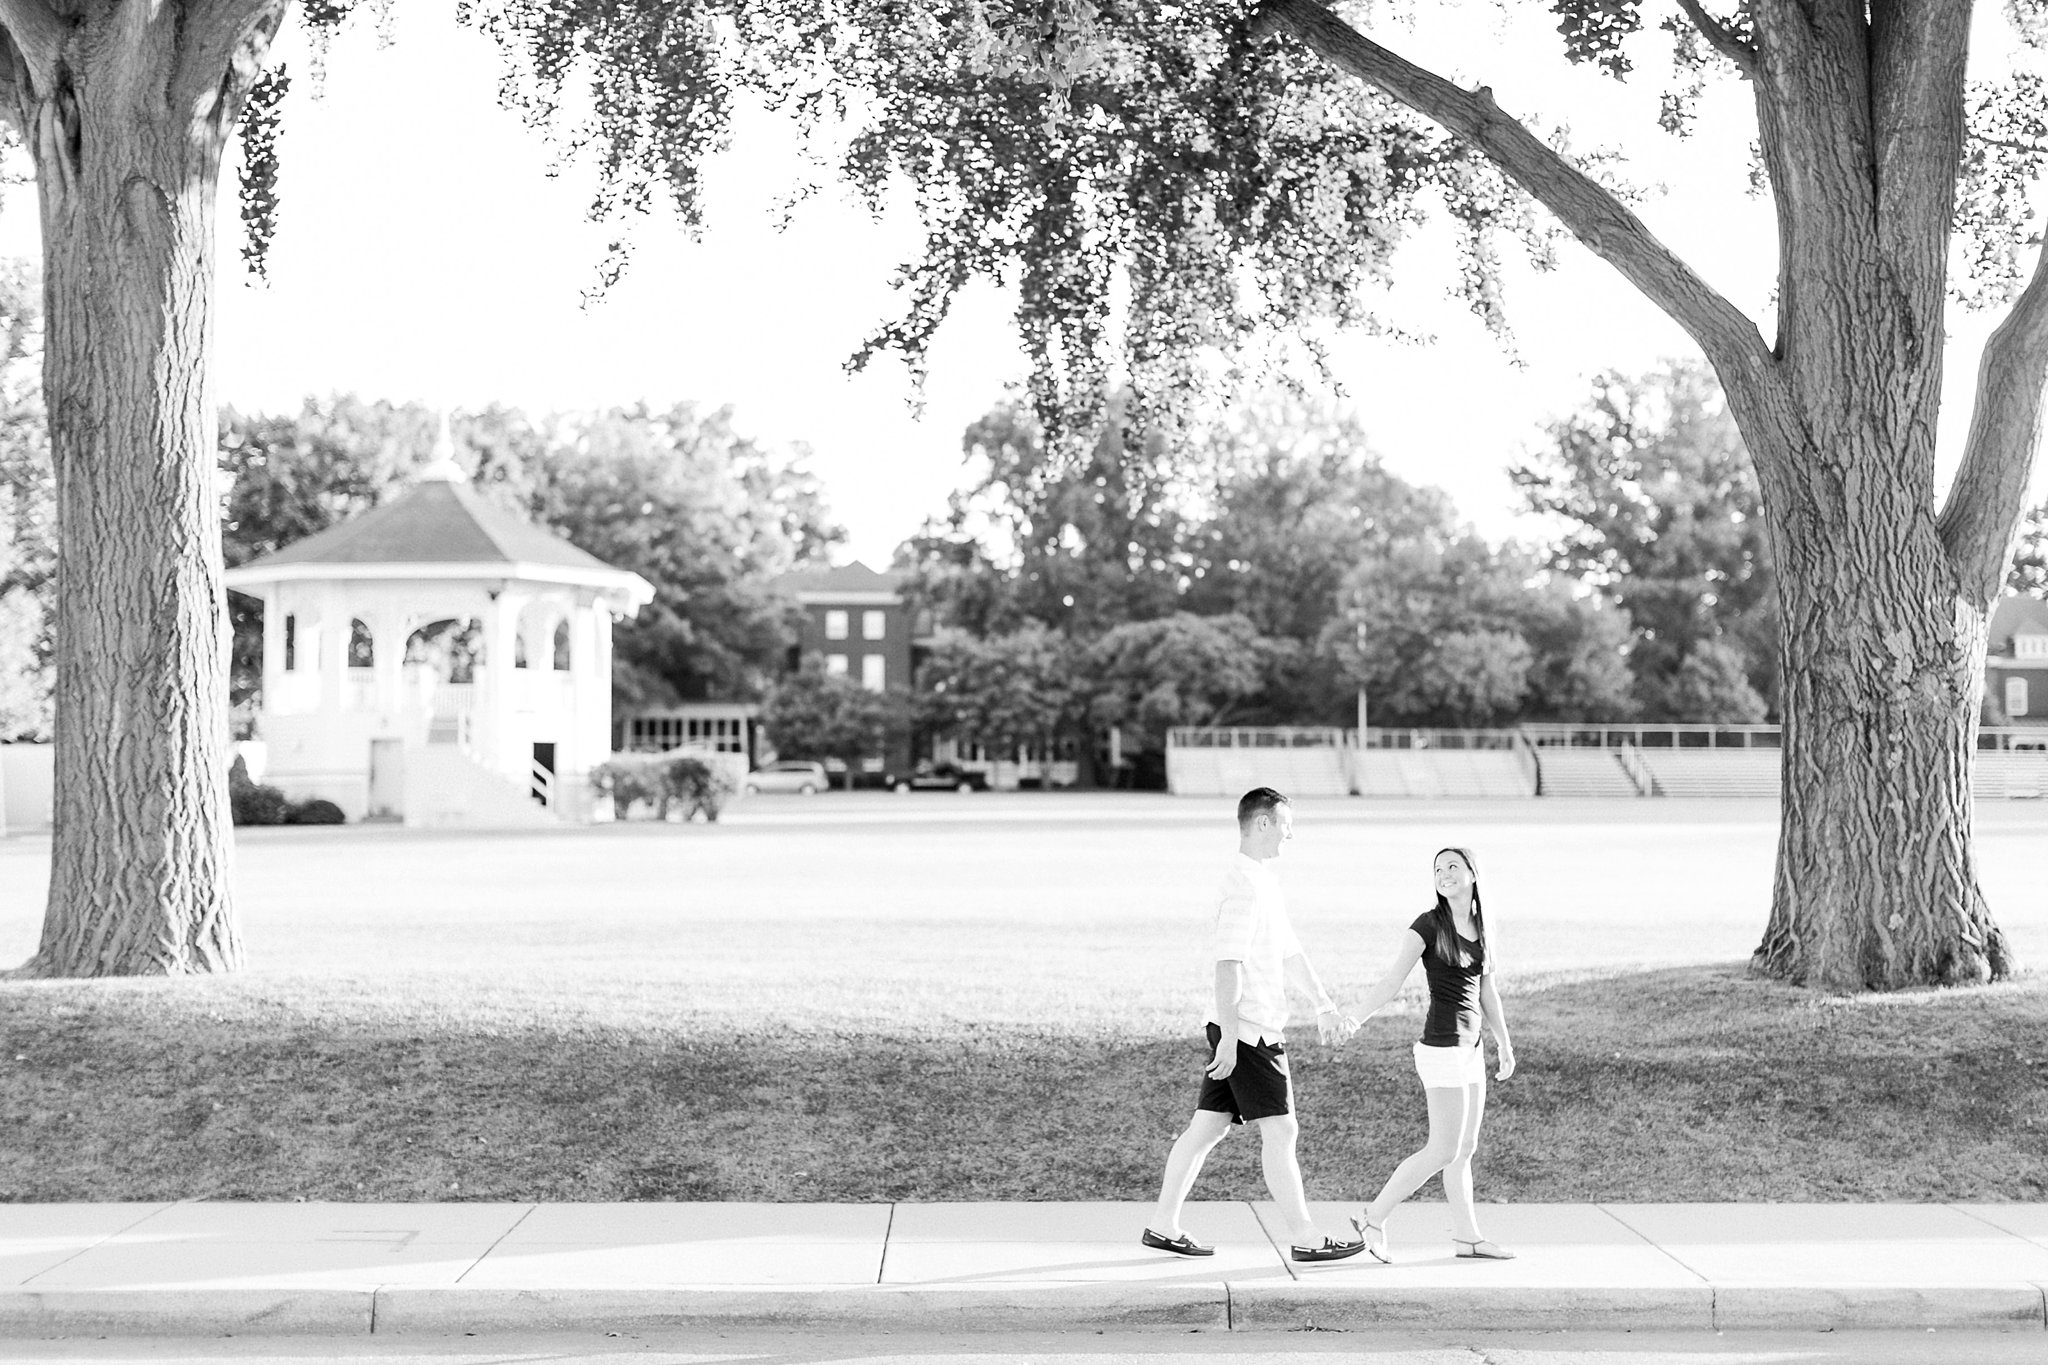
{"x":273,"y":651}
{"x":333,"y":661}
{"x":389,"y":629}
{"x":498,"y":701}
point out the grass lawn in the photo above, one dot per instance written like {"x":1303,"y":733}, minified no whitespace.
{"x":972,"y":998}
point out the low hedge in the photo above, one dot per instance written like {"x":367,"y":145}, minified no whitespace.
{"x":663,"y":782}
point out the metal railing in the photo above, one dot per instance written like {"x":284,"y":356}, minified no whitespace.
{"x":1572,"y":735}
{"x":1380,"y":738}
{"x":1638,"y":770}
{"x":1257,"y":737}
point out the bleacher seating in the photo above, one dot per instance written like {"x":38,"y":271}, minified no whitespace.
{"x":1441,"y":772}
{"x":1713,"y":772}
{"x":2007,"y":774}
{"x":1298,"y":771}
{"x":1583,"y":772}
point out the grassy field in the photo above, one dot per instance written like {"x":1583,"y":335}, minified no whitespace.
{"x":964,"y":997}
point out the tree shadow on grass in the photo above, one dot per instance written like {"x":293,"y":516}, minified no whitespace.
{"x":1671,"y":1084}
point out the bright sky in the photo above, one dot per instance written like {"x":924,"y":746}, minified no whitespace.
{"x":426,"y":254}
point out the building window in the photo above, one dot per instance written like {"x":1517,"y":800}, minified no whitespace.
{"x":562,"y":646}
{"x":2033,"y":645}
{"x":362,"y":649}
{"x":835,"y":625}
{"x":835,"y":665}
{"x":518,"y":647}
{"x":873,"y":624}
{"x":291,"y":644}
{"x":874,"y":672}
{"x":2015,"y":696}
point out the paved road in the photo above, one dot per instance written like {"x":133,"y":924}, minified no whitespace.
{"x":1121,"y":1348}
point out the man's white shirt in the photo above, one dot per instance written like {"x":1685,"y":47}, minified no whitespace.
{"x":1252,"y":928}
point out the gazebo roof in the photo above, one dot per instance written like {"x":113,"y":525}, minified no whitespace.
{"x":439,"y":528}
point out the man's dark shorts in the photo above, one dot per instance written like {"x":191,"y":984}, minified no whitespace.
{"x":1259,"y":1087}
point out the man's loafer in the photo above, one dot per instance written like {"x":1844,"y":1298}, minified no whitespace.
{"x":1182,"y":1245}
{"x":1330,"y":1250}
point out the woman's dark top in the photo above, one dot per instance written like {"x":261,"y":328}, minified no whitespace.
{"x":1454,"y":1016}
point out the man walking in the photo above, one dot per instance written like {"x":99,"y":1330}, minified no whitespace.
{"x":1246,"y":1081}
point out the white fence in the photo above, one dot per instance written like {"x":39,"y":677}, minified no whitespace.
{"x":1530,"y":760}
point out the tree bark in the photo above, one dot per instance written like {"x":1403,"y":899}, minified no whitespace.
{"x":126,"y":109}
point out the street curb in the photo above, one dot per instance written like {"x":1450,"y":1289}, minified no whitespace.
{"x":1015,"y":1306}
{"x":995,"y":1307}
{"x":186,"y":1312}
{"x":1844,"y":1307}
{"x":1506,"y":1308}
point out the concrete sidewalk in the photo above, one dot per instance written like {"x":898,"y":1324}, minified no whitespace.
{"x":134,"y":1269}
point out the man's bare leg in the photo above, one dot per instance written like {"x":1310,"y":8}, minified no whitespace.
{"x":1283,"y":1178}
{"x":1183,"y":1164}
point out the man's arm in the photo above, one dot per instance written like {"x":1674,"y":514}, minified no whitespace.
{"x":1301,"y":974}
{"x":1229,"y":987}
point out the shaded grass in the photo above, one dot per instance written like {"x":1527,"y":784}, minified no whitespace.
{"x":1672,"y":1084}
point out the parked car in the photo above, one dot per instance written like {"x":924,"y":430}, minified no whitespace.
{"x":797,"y":775}
{"x":944,"y":777}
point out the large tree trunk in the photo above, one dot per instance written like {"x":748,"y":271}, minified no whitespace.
{"x":1876,"y":884}
{"x":126,"y":110}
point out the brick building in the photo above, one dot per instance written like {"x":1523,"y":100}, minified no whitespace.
{"x":2016,"y":661}
{"x":856,"y":621}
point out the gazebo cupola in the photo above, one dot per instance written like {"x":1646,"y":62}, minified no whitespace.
{"x":438,"y":659}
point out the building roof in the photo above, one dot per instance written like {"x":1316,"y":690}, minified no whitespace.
{"x":2010,"y":616}
{"x":438,"y":528}
{"x":854,"y":582}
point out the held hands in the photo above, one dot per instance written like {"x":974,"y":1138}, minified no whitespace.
{"x":1334,"y":1026}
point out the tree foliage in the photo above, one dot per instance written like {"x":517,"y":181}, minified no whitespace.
{"x":1183,"y":669}
{"x":814,"y":714}
{"x":1661,"y":512}
{"x":1244,"y":192}
{"x":1021,"y":688}
{"x":28,"y":516}
{"x":2030,"y":556}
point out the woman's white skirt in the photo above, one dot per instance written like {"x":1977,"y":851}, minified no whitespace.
{"x":1450,"y":1066}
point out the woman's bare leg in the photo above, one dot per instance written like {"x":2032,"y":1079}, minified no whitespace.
{"x":1458,"y":1173}
{"x":1447,"y":1106}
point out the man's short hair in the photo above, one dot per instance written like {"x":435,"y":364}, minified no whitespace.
{"x":1257,"y":802}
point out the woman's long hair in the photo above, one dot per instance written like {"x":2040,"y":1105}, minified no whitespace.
{"x":1448,"y":948}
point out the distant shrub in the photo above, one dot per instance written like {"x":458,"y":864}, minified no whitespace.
{"x":664,"y":781}
{"x":317,"y":811}
{"x":252,"y":803}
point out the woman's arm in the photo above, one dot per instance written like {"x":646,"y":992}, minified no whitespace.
{"x":1497,"y":1023}
{"x":1407,"y":952}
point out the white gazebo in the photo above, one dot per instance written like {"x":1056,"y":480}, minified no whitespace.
{"x":438,"y":660}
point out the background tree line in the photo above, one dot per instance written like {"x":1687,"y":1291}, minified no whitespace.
{"x":1281,"y":566}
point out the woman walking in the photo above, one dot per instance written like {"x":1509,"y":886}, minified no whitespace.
{"x":1457,"y":959}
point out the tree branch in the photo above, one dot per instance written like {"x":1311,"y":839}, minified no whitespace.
{"x":220,"y":38}
{"x":1990,"y":490}
{"x":38,"y":34}
{"x":1721,"y":38}
{"x":1591,"y":212}
{"x":1919,"y":51}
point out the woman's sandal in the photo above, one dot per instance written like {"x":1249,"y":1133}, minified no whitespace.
{"x":1374,"y":1235}
{"x":1482,"y":1250}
